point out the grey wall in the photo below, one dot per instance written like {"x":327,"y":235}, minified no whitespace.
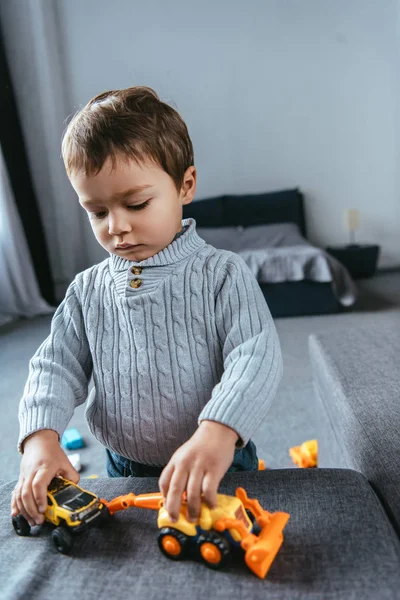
{"x":276,"y":93}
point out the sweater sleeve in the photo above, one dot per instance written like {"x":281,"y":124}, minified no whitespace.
{"x":59,"y":373}
{"x":251,"y":353}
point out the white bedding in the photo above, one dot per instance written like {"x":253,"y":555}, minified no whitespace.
{"x":277,"y":253}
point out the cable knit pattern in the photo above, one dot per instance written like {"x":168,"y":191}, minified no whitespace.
{"x":195,"y":341}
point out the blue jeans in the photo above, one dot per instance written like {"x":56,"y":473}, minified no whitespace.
{"x":245,"y":459}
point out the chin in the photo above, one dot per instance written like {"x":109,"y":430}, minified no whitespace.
{"x":136,"y":256}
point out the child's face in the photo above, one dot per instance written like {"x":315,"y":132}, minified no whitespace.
{"x":135,"y":210}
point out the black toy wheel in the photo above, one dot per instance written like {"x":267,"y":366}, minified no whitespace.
{"x":213,"y":549}
{"x":62,"y":539}
{"x":21,"y":525}
{"x":173,"y":543}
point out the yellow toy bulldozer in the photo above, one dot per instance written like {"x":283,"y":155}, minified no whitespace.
{"x":216,"y":531}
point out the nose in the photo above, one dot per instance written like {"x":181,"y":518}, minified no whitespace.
{"x":118,"y":224}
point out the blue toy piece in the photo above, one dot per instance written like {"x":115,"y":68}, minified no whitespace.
{"x":72,"y":439}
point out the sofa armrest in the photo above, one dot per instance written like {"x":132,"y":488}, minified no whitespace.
{"x":356,"y":376}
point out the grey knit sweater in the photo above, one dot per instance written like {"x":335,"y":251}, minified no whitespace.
{"x":180,"y":337}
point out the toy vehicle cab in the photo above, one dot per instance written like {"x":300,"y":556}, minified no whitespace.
{"x":70,"y":508}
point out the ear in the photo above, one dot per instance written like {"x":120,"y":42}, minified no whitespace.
{"x":188,"y":189}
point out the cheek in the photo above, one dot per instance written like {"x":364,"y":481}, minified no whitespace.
{"x":99,"y":228}
{"x":165,"y":211}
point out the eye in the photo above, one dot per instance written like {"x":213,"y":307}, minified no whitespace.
{"x":99,"y":215}
{"x":138,"y":206}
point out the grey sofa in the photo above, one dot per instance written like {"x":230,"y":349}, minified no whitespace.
{"x":339,"y":543}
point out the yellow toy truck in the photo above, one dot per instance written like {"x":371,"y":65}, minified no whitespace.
{"x":216,"y":530}
{"x":70,"y":508}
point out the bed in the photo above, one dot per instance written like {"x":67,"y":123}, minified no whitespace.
{"x":269,"y":232}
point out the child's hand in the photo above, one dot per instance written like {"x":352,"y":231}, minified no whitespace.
{"x":198,"y":467}
{"x":42,"y":460}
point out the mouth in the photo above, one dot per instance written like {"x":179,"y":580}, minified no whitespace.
{"x":127,"y":246}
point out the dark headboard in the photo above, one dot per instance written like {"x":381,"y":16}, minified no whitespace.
{"x":286,"y":206}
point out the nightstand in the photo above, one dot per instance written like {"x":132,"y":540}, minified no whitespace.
{"x":359,"y":259}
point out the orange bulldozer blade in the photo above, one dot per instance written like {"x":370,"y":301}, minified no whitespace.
{"x":260,"y":555}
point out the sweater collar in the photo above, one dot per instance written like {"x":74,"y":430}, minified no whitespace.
{"x":180,"y":248}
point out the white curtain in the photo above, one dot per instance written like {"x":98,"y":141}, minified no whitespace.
{"x":19,"y":291}
{"x":33,"y":32}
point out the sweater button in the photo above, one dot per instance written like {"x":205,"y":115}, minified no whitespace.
{"x":136,"y":270}
{"x":136,"y":283}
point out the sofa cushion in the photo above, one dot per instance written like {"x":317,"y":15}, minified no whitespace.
{"x":338,"y":543}
{"x":357,"y":380}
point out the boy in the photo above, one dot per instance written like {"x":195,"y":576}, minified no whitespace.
{"x":177,"y":335}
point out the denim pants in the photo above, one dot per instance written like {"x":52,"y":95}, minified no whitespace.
{"x":245,"y":459}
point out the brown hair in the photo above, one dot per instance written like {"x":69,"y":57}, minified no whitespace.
{"x":134,"y":123}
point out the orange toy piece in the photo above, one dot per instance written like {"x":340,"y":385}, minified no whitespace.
{"x":306,"y":455}
{"x":216,"y":529}
{"x":152,"y":501}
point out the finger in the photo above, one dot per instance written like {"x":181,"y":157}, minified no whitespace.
{"x":40,"y":484}
{"x":165,"y":479}
{"x":210,"y":488}
{"x":22,"y":511}
{"x":28,"y":501}
{"x":194,"y":487}
{"x":14,"y":507}
{"x":68,"y":471}
{"x":20,"y":506}
{"x":14,"y":501}
{"x":177,"y":486}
